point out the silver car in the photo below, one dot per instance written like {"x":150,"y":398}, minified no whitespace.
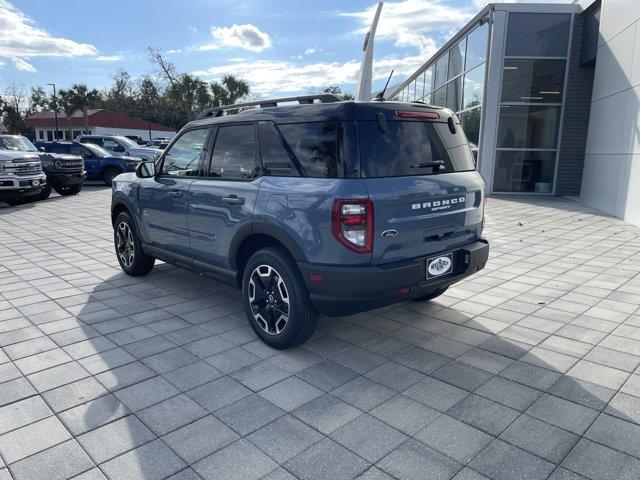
{"x":119,"y":145}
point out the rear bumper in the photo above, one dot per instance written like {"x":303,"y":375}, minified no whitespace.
{"x":346,"y":290}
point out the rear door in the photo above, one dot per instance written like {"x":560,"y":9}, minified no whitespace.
{"x":221,"y":201}
{"x":422,"y":180}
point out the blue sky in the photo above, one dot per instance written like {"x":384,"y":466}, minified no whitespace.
{"x":278,"y":46}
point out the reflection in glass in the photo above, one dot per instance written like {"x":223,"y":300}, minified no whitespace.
{"x":539,"y":81}
{"x":441,"y":69}
{"x":454,"y":94}
{"x":440,"y":96}
{"x":428,"y":79}
{"x":470,"y":121}
{"x":524,"y":171}
{"x":420,"y":87}
{"x":456,"y":59}
{"x":477,"y":46}
{"x":524,"y":126}
{"x":538,"y":34}
{"x":474,"y":87}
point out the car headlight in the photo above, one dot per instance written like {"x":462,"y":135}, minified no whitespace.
{"x":57,"y":164}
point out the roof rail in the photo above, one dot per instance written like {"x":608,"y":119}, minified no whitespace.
{"x":302,"y":100}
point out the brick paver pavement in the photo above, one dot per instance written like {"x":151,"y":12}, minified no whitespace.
{"x":528,"y":370}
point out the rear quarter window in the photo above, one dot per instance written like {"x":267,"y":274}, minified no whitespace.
{"x":407,"y":144}
{"x":315,"y":147}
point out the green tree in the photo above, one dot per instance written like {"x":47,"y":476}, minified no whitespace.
{"x":336,"y":90}
{"x":83,"y":99}
{"x":190,"y":93}
{"x":66,"y":101}
{"x":228,"y":90}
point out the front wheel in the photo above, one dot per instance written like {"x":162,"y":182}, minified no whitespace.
{"x":276,"y":299}
{"x":109,"y":174}
{"x":132,"y":258}
{"x":71,"y":190}
{"x":431,"y":295}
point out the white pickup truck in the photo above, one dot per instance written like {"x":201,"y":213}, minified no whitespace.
{"x":21,"y":177}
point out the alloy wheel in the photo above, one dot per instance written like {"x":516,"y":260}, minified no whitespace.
{"x":269,"y":299}
{"x":125,"y":244}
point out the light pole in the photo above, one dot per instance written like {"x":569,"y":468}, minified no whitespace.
{"x":55,"y":110}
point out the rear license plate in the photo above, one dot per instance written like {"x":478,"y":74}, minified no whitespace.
{"x":440,"y":265}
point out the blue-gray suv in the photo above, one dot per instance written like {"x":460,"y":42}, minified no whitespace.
{"x":323,"y":206}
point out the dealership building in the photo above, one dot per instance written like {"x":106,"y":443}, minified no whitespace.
{"x":549,"y":96}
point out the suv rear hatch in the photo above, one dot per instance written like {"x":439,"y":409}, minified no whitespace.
{"x":420,"y":174}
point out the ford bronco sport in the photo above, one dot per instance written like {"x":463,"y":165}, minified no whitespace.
{"x":322,"y":207}
{"x":21,"y":177}
{"x":65,"y":173}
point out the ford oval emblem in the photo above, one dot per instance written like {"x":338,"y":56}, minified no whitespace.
{"x":389,"y":233}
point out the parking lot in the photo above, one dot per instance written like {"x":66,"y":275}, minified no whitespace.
{"x":525,"y":371}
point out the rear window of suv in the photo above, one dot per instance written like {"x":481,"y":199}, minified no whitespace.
{"x":407,"y":145}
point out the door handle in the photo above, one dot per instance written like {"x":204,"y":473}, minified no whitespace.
{"x":174,"y":193}
{"x":233,"y":200}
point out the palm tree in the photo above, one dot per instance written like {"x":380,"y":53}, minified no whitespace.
{"x":83,"y":98}
{"x":229,"y":90}
{"x":66,"y":100}
{"x":189,"y":92}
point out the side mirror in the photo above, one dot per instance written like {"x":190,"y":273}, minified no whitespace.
{"x":146,"y":170}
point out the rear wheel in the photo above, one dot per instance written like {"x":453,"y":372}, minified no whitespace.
{"x":132,"y":258}
{"x":276,"y":299}
{"x":109,"y":174}
{"x":71,"y":190}
{"x":431,"y":295}
{"x":45,"y":192}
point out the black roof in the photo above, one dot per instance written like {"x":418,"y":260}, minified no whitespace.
{"x":318,"y":112}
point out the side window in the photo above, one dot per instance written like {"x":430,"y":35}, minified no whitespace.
{"x":314,"y":145}
{"x":275,"y":157}
{"x":183,"y":157}
{"x":79,"y":150}
{"x":110,"y":144}
{"x":233,"y":153}
{"x":95,"y":141}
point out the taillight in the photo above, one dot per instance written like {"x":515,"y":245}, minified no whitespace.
{"x":417,"y":115}
{"x":352,"y":224}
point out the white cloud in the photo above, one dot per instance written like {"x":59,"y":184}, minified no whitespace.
{"x":192,"y":28}
{"x":23,"y":65}
{"x":310,"y":51}
{"x":413,"y":23}
{"x":268,"y":77}
{"x":245,"y":36}
{"x":19,"y":38}
{"x":109,"y":58}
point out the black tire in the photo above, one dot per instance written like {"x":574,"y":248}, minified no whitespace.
{"x":431,"y":295}
{"x":71,"y":190}
{"x":109,"y":174}
{"x":301,"y":318}
{"x":139,"y":263}
{"x":45,"y":192}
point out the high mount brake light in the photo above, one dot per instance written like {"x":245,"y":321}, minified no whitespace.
{"x":352,"y":224}
{"x":417,"y":115}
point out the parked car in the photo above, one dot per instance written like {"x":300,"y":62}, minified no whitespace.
{"x":161,"y":144}
{"x":136,"y":138}
{"x":118,"y":146}
{"x":332,"y":208}
{"x":65,"y":173}
{"x":21,"y":177}
{"x":100,"y":164}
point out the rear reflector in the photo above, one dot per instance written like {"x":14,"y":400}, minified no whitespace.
{"x":316,"y":278}
{"x":417,"y":115}
{"x":401,"y":292}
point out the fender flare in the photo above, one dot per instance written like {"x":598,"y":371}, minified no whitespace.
{"x":265,"y":228}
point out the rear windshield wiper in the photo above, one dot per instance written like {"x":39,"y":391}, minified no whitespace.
{"x":437,"y":165}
